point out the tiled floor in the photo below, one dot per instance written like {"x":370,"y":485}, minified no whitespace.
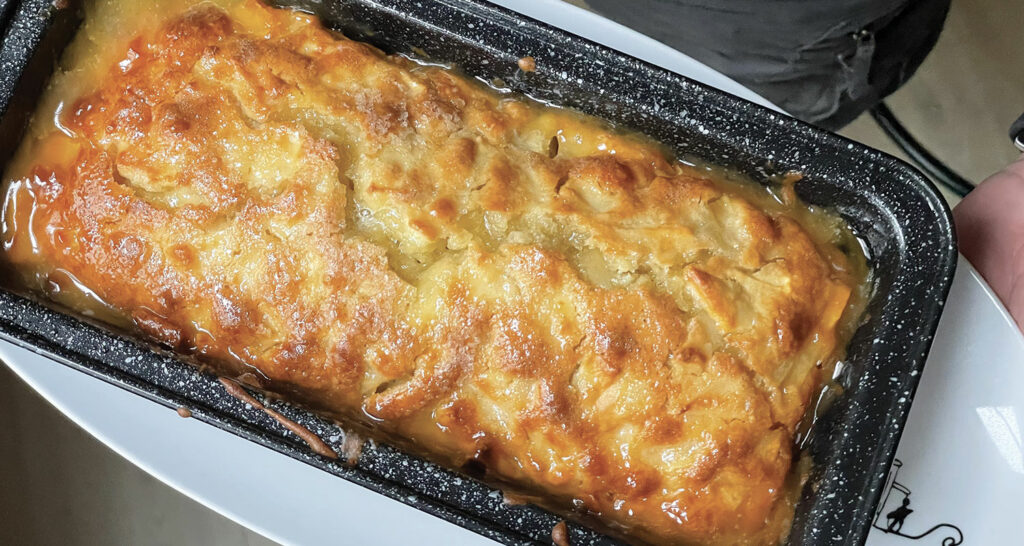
{"x":59,"y":486}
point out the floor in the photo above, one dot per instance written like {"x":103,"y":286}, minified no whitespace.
{"x":959,"y":104}
{"x":962,"y":101}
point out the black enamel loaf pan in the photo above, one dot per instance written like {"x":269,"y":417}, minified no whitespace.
{"x":903,"y":222}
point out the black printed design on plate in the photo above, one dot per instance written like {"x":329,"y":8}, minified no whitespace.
{"x":895,"y":508}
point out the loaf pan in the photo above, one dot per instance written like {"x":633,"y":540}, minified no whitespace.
{"x":903,"y":223}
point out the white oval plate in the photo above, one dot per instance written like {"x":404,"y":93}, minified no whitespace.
{"x":961,"y":453}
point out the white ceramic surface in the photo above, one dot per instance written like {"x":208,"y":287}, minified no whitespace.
{"x":962,"y":452}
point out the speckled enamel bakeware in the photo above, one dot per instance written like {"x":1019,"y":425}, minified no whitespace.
{"x":904,"y":224}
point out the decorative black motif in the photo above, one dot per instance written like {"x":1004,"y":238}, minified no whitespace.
{"x":890,"y":520}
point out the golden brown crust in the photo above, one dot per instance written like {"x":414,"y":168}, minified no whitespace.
{"x":490,"y":279}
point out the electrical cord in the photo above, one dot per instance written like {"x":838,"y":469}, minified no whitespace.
{"x":935,"y":169}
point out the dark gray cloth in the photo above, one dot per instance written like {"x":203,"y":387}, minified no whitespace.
{"x":824,"y":61}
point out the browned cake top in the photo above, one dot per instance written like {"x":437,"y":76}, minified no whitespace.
{"x":487,"y":278}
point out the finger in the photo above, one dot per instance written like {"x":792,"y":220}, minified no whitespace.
{"x":990,"y":230}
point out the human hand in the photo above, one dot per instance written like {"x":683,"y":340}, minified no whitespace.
{"x":990,"y":230}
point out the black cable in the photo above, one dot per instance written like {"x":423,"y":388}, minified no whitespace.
{"x":935,"y":169}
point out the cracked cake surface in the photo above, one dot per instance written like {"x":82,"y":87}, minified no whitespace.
{"x":486,"y":278}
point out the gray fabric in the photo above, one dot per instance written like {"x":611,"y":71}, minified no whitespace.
{"x":825,"y":61}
